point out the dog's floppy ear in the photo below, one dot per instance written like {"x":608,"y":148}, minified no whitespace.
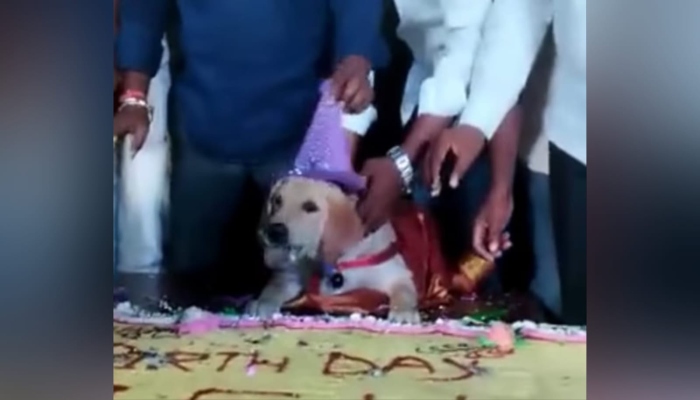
{"x":278,"y":185}
{"x":343,"y":227}
{"x":274,"y":194}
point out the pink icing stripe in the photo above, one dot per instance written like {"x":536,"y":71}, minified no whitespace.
{"x":200,"y":326}
{"x":552,"y":337}
{"x":212,"y":322}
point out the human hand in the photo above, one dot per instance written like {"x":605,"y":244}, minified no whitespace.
{"x":489,"y":238}
{"x":383,"y":191}
{"x":465,"y":142}
{"x":132,"y":120}
{"x":351,"y":85}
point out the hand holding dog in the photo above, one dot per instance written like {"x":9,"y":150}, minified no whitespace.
{"x":351,"y":85}
{"x":489,"y":238}
{"x":465,"y":142}
{"x":383,"y":191}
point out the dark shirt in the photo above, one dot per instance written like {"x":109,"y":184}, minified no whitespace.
{"x":245,"y":73}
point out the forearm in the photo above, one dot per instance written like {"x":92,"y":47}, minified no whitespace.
{"x":135,"y":81}
{"x":513,"y":33}
{"x":443,"y":96}
{"x":117,"y":81}
{"x":138,"y":40}
{"x":503,"y":152}
{"x":424,"y":129}
{"x":357,"y":30}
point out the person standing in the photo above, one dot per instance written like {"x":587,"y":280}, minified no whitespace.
{"x":143,"y":191}
{"x":245,"y":78}
{"x":141,"y":185}
{"x":443,"y":37}
{"x":513,"y":34}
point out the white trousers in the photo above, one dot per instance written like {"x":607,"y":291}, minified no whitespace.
{"x":142,"y":188}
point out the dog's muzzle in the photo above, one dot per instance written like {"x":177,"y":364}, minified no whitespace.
{"x":275,"y":234}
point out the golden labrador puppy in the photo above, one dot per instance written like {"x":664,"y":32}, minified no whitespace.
{"x":311,"y":227}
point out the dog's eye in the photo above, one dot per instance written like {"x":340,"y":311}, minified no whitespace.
{"x":275,"y":204}
{"x":277,"y":200}
{"x":309,"y":206}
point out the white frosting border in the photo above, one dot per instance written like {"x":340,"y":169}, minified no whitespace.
{"x":194,"y":320}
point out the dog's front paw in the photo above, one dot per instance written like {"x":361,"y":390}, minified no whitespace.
{"x":262,"y":308}
{"x":403,"y":303}
{"x":404,"y":316}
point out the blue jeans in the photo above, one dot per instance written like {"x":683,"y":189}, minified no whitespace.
{"x":545,"y":284}
{"x":568,"y":200}
{"x":215,"y":208}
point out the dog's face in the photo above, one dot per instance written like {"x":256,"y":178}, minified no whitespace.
{"x":304,"y":215}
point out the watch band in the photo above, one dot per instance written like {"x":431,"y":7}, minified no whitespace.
{"x":403,"y":164}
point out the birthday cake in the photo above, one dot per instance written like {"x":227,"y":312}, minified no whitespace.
{"x":202,"y":356}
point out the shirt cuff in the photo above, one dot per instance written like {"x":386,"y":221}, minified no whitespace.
{"x":444,"y":97}
{"x":360,"y":123}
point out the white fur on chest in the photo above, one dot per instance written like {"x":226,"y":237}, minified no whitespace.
{"x":380,"y":277}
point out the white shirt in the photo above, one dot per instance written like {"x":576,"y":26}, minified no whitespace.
{"x":534,"y":145}
{"x":443,"y":36}
{"x":513,"y":32}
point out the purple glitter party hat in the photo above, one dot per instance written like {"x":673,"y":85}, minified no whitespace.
{"x":325,"y":154}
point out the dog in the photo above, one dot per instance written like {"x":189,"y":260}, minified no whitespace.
{"x":309,"y":223}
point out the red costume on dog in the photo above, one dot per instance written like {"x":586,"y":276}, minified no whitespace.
{"x":437,"y":282}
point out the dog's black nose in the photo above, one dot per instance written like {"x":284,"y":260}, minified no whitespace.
{"x":277,"y":234}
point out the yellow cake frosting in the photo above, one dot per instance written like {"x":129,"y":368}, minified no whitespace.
{"x":151,"y":363}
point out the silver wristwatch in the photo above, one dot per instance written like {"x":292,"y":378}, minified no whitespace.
{"x":403,"y":164}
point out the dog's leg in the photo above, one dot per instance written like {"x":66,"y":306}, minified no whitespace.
{"x":403,"y":302}
{"x":283,"y":286}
